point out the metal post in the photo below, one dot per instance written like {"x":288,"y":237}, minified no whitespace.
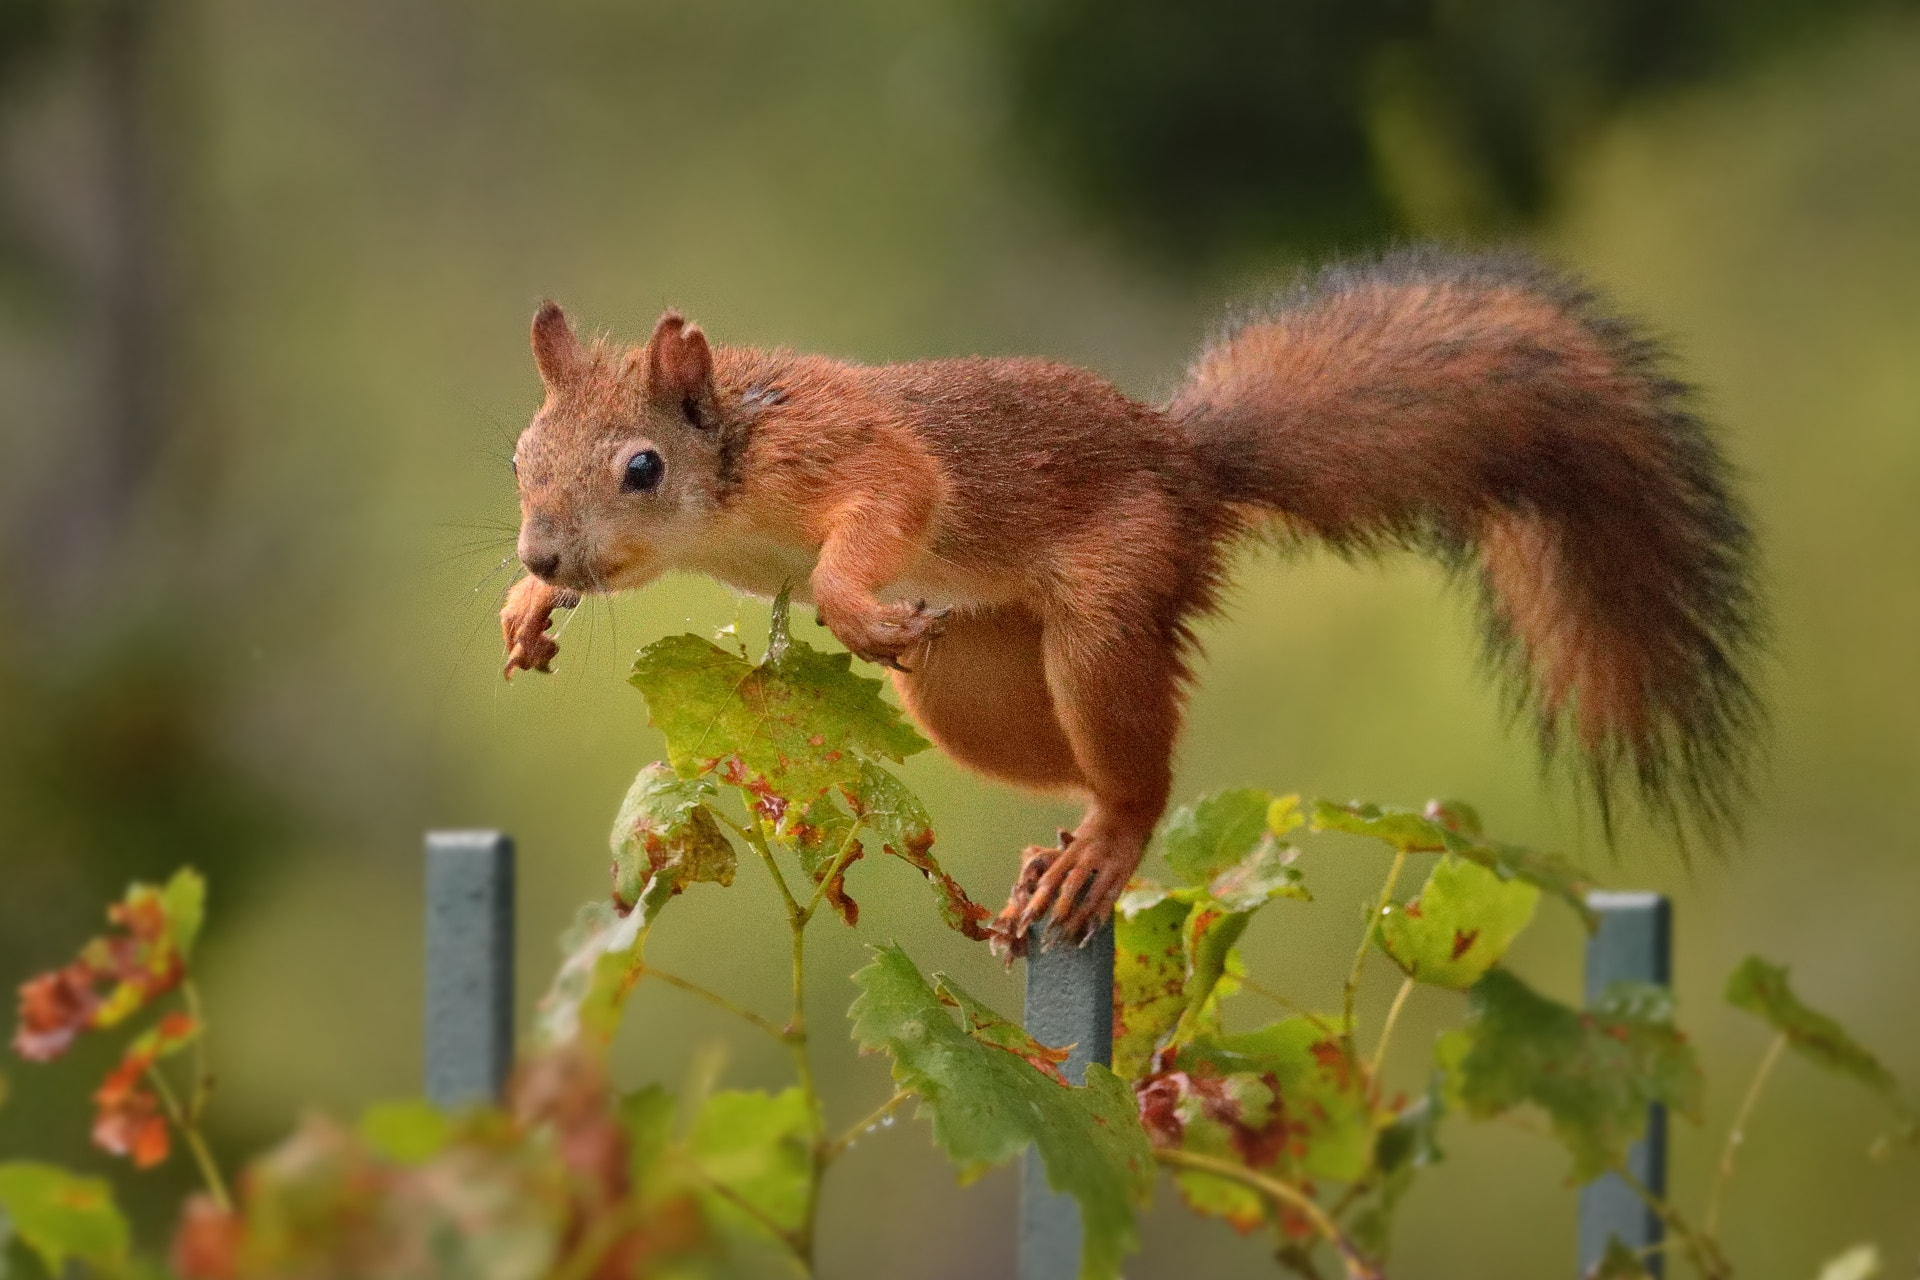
{"x":1069,"y":1001}
{"x":469,"y":1006}
{"x":1634,"y":944}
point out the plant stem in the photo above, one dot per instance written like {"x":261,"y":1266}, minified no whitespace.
{"x":1737,"y":1133}
{"x":835,"y":1149}
{"x":1386,"y":1029}
{"x":756,"y":835}
{"x":759,"y":1215}
{"x":202,"y":1078}
{"x":190,"y":1134}
{"x":1287,"y":1004}
{"x":767,"y":1025}
{"x":1702,"y":1252}
{"x":1357,"y":1265}
{"x":1360,"y":956}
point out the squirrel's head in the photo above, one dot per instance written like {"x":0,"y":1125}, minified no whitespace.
{"x":622,"y":466}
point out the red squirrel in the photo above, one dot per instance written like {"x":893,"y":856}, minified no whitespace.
{"x":1027,"y":548}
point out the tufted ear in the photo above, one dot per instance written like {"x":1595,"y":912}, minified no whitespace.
{"x":556,"y":352}
{"x":681,"y":363}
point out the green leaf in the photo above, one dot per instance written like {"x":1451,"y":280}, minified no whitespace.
{"x":1263,"y":875}
{"x":1460,"y":925}
{"x":1203,"y":839}
{"x":1761,"y":989}
{"x":758,"y":1146}
{"x":665,"y":827}
{"x":1402,"y":828}
{"x":790,"y":729}
{"x":407,"y":1133}
{"x":1619,"y":1263}
{"x":987,"y":1105}
{"x":1453,"y":827}
{"x":603,"y":951}
{"x":897,"y":819}
{"x":988,"y":1027}
{"x":1858,"y":1263}
{"x":1330,"y":1123}
{"x":1408,"y":1143}
{"x":1149,"y":978}
{"x":60,"y":1215}
{"x":647,"y":1116}
{"x":1593,"y":1073}
{"x":184,"y":899}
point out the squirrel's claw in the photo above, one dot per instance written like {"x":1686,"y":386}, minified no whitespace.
{"x":524,"y":622}
{"x":883,"y":633}
{"x":1071,"y":889}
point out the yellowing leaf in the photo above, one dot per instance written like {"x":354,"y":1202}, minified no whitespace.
{"x":758,"y":1146}
{"x":1460,"y":925}
{"x":665,"y":828}
{"x":60,"y":1215}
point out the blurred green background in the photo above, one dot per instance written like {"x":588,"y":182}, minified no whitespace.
{"x":265,"y":273}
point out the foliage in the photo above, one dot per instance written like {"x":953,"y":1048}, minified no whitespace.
{"x":1215,"y":125}
{"x":1284,"y":1125}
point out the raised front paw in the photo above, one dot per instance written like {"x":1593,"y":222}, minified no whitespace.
{"x":882,"y":633}
{"x":524,"y":622}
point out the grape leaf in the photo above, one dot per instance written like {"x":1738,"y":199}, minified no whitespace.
{"x":790,"y":729}
{"x":144,"y":958}
{"x":987,"y":1105}
{"x":897,"y":819}
{"x":603,"y":951}
{"x":664,"y":826}
{"x":1329,"y":1121}
{"x":1149,"y":977}
{"x":988,"y":1027}
{"x":1453,"y":827}
{"x":1202,"y":839}
{"x":1459,"y":926}
{"x":758,"y":1146}
{"x":1761,"y":989}
{"x":407,"y":1133}
{"x":1594,"y":1073}
{"x":60,"y":1215}
{"x":127,"y":1117}
{"x":1232,"y":1118}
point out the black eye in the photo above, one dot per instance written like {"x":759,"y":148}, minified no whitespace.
{"x":644,"y":471}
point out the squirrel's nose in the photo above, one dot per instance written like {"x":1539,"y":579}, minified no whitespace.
{"x":542,"y":562}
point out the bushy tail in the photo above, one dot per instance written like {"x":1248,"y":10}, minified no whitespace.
{"x":1491,"y":412}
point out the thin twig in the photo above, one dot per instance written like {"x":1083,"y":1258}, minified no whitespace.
{"x":1386,"y":1029}
{"x":1737,"y":1134}
{"x":1702,"y":1252}
{"x":834,"y":1150}
{"x":190,"y":1133}
{"x":1366,"y":938}
{"x":1289,"y":1005}
{"x":767,"y":1025}
{"x":1356,"y":1263}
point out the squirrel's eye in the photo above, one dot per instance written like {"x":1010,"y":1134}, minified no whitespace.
{"x":644,"y":471}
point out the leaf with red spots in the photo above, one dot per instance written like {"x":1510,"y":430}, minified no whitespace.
{"x":1149,"y":978}
{"x":894,"y":817}
{"x":127,"y":1117}
{"x":665,"y":828}
{"x":1458,"y":927}
{"x":1332,"y":1121}
{"x":800,"y":722}
{"x":988,"y":1027}
{"x":1593,"y":1072}
{"x":142,"y":959}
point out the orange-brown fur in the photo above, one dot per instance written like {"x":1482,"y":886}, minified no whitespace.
{"x":1027,"y":547}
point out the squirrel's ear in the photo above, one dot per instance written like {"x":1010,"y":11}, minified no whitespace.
{"x":556,"y":351}
{"x":681,"y":363}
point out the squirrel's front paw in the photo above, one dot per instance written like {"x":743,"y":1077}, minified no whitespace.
{"x":524,"y":622}
{"x":883,"y":632}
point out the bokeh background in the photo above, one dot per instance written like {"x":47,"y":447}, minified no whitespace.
{"x":265,"y":272}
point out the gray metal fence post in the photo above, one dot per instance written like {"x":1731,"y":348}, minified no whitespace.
{"x":1634,"y":944}
{"x":1069,"y":1001}
{"x":469,"y":1005}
